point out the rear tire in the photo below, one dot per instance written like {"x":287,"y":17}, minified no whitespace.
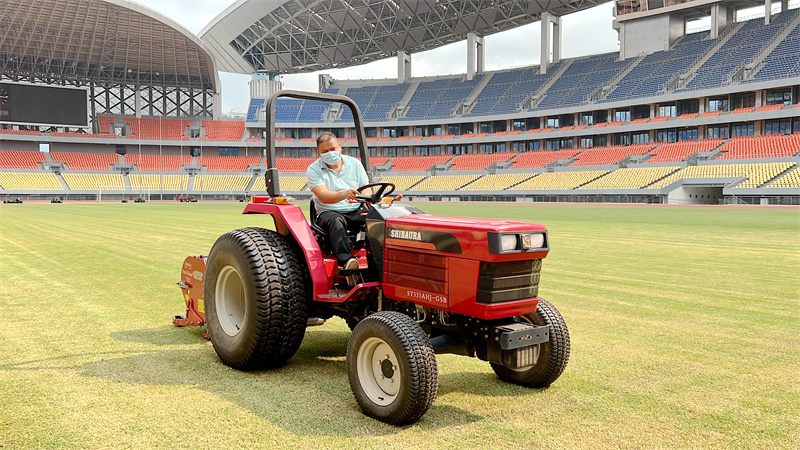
{"x":553,"y":355}
{"x":255,"y":297}
{"x":392,"y":368}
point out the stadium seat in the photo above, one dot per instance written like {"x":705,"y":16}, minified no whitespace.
{"x":558,"y":180}
{"x":21,"y":159}
{"x":679,"y":151}
{"x":763,"y":146}
{"x":86,"y":161}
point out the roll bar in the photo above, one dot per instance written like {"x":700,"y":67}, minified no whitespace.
{"x":271,"y":175}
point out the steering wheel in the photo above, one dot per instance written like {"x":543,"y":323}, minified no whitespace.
{"x":384,"y":189}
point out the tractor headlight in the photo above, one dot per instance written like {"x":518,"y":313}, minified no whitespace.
{"x":508,"y":242}
{"x":519,"y":242}
{"x":536,"y":240}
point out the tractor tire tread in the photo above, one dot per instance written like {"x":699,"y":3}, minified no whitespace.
{"x":554,"y":354}
{"x":420,"y":358}
{"x":280,"y":299}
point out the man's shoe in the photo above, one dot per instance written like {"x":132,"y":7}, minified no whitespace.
{"x":351,"y":264}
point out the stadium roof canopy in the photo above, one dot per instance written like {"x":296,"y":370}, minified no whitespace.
{"x":103,"y":41}
{"x":293,"y":36}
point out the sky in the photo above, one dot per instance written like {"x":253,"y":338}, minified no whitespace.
{"x":583,"y":33}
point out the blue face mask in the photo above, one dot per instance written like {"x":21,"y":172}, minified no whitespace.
{"x":331,"y":158}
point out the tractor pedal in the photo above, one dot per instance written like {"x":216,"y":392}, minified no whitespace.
{"x":335,"y":293}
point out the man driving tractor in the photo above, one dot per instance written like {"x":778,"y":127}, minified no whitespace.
{"x":333,"y":180}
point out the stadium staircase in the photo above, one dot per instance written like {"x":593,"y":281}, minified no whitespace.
{"x":748,"y":71}
{"x":778,"y":176}
{"x":62,"y":181}
{"x":401,"y":108}
{"x":666,"y":176}
{"x":681,"y":80}
{"x":468,"y":103}
{"x":520,"y":182}
{"x":535,"y":98}
{"x":602,"y":92}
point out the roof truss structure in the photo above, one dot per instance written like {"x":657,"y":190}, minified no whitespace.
{"x":303,"y":36}
{"x":114,"y":45}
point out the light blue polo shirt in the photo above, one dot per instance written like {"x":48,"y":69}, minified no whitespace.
{"x":352,"y":175}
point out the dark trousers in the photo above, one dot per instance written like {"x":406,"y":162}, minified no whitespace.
{"x":336,"y":225}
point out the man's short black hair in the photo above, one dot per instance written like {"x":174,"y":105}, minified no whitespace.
{"x":324,"y":137}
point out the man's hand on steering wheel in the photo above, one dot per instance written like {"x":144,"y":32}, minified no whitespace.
{"x":383,"y":190}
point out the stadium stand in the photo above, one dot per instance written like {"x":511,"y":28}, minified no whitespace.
{"x":451,"y":98}
{"x":287,"y":109}
{"x":105,"y":122}
{"x":223,"y":130}
{"x":83,"y":135}
{"x":445,"y":183}
{"x":30,"y":181}
{"x":790,"y":179}
{"x":256,"y":105}
{"x":783,"y":60}
{"x":753,"y":175}
{"x":506,"y":91}
{"x":601,"y":156}
{"x":377,"y":161}
{"x":20,"y":132}
{"x":223,"y":183}
{"x":93,"y":181}
{"x":157,"y":128}
{"x":479,"y":161}
{"x":542,"y":158}
{"x":497,"y":182}
{"x":402,"y":182}
{"x":288,"y":183}
{"x":630,"y":178}
{"x":764,"y":146}
{"x":218,"y":163}
{"x":167,"y":182}
{"x":418,"y":163}
{"x":582,"y":78}
{"x":679,"y":151}
{"x":654,"y":72}
{"x":86,"y":161}
{"x":312,"y":111}
{"x":157,"y":163}
{"x":293,"y":165}
{"x":21,"y":159}
{"x":739,"y":50}
{"x":558,"y":180}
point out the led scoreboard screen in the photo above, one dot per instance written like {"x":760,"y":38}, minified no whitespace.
{"x":29,"y":104}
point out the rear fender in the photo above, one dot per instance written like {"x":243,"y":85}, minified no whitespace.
{"x":290,"y":221}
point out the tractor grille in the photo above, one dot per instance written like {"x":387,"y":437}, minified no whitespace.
{"x":508,"y":281}
{"x":416,"y":270}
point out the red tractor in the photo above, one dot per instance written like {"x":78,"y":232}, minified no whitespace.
{"x":426,"y":284}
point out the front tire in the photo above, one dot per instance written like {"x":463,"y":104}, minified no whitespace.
{"x":392,"y":368}
{"x":553,"y":355}
{"x":255,"y":297}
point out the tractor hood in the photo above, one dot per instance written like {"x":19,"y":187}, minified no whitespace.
{"x":471,"y":238}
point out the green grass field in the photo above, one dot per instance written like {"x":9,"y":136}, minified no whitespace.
{"x":685,"y":330}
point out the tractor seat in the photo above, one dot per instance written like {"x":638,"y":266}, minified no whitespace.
{"x":357,"y":239}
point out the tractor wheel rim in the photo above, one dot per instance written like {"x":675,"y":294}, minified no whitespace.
{"x":229,"y":297}
{"x":378,"y":371}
